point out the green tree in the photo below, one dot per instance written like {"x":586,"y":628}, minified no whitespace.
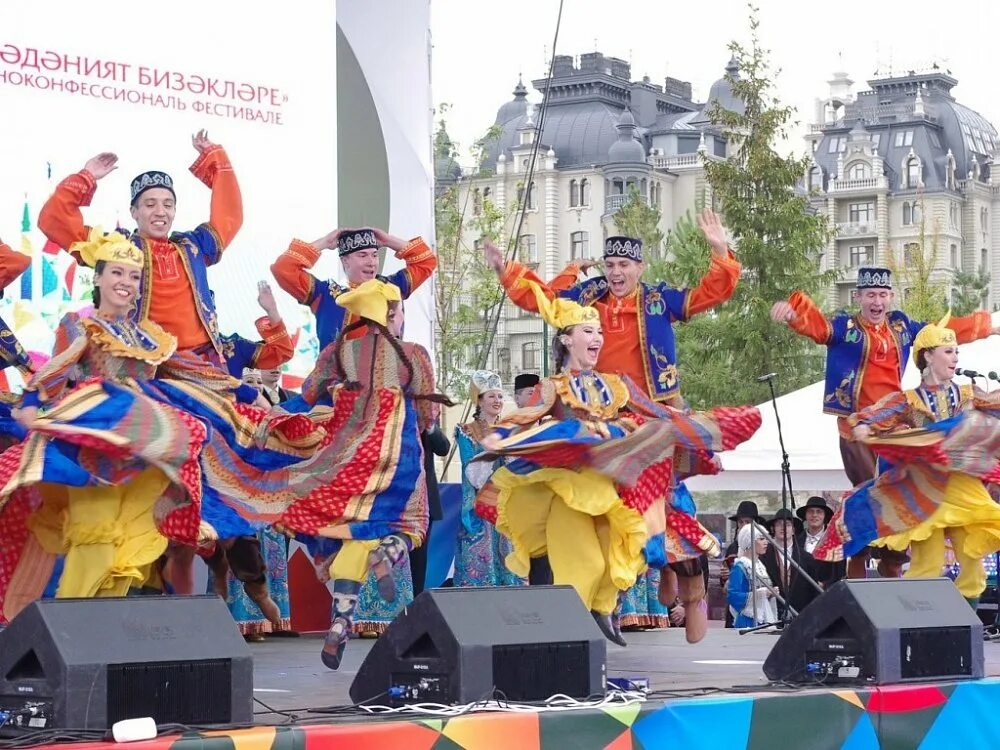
{"x":465,"y":288}
{"x":637,"y":218}
{"x":777,"y":238}
{"x":921,"y":295}
{"x":972,"y":291}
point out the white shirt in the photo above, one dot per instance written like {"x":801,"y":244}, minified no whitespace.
{"x":813,"y":539}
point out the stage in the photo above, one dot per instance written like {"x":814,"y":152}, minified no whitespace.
{"x":709,"y":695}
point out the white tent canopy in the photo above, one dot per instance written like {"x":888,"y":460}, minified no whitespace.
{"x":811,"y":437}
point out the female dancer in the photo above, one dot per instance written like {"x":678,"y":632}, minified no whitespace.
{"x":589,"y":485}
{"x":943,"y":442}
{"x":481,"y":551}
{"x":364,"y":493}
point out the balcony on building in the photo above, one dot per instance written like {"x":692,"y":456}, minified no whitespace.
{"x":863,"y":185}
{"x":847,"y":230}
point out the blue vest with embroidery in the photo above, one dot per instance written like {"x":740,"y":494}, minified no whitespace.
{"x":847,"y":354}
{"x":657,"y":308}
{"x":330,"y":316}
{"x":12,"y":354}
{"x":239,"y":353}
{"x":199,"y":249}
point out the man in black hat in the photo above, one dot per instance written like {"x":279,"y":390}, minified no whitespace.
{"x":358,"y":250}
{"x":866,"y":355}
{"x":746,"y":512}
{"x":524,"y":388}
{"x":816,"y":514}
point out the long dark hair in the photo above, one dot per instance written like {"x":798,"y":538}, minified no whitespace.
{"x":397,"y":347}
{"x":96,"y":294}
{"x":559,"y":351}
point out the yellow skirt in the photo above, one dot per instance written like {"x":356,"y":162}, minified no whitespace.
{"x":966,"y":504}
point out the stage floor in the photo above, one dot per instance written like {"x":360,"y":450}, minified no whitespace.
{"x":288,"y":673}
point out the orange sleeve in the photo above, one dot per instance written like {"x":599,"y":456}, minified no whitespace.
{"x":715,"y":287}
{"x":971,"y":327}
{"x":810,"y":320}
{"x":291,"y":270}
{"x":61,"y":219}
{"x":520,"y":294}
{"x":566,"y":278}
{"x":213,"y":168}
{"x":276,"y":347}
{"x":12,"y":265}
{"x":420,"y":262}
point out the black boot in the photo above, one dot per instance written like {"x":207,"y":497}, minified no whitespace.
{"x":604,"y":623}
{"x":345,"y":599}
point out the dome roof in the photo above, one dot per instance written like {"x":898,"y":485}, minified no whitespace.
{"x":516,"y":107}
{"x":627,"y":148}
{"x":722,"y":92}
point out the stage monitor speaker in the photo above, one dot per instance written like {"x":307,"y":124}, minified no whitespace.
{"x":460,"y":645}
{"x":882,"y":631}
{"x":88,"y":663}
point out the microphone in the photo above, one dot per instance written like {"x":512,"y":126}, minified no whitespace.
{"x":993,"y":376}
{"x":765,"y":378}
{"x":969,"y":373}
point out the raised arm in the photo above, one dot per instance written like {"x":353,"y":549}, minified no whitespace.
{"x":291,"y":269}
{"x":510,"y":275}
{"x":61,"y":218}
{"x":718,"y":284}
{"x":214,"y":169}
{"x":804,"y":317}
{"x":420,"y":261}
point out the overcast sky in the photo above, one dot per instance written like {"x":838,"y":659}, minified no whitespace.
{"x":480,"y":47}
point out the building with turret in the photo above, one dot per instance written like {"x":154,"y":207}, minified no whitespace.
{"x":903,"y":167}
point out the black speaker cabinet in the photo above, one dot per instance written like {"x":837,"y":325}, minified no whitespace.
{"x":88,"y":663}
{"x":458,"y":645}
{"x":883,"y":631}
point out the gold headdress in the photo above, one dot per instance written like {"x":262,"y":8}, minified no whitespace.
{"x":934,"y":334}
{"x":370,"y":300}
{"x":561,"y":313}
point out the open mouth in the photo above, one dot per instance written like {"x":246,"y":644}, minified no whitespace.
{"x":123,"y":293}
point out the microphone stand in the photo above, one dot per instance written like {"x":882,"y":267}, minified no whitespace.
{"x":787,"y":495}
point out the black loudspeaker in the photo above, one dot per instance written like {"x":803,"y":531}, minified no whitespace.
{"x":88,"y":663}
{"x":459,"y":645}
{"x":881,"y":631}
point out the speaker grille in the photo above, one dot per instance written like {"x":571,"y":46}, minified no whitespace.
{"x":180,"y":692}
{"x":935,"y":652}
{"x":536,"y":671}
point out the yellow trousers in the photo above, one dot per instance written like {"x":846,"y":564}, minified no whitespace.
{"x":351,"y":561}
{"x":927,"y":559}
{"x":107,"y":533}
{"x":577,"y":544}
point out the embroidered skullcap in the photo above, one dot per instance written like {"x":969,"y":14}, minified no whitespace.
{"x":874,"y":278}
{"x":623,"y":247}
{"x":932,"y":335}
{"x":352,"y":240}
{"x":153,"y":179}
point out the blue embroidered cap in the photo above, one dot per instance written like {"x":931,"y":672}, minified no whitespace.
{"x":874,"y":278}
{"x":623,"y":247}
{"x":148,"y":180}
{"x":352,"y":240}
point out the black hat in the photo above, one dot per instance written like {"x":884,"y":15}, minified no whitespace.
{"x":815,"y":502}
{"x":747,"y":509}
{"x":352,"y":240}
{"x":874,"y":278}
{"x":525,"y":380}
{"x":623,"y":247}
{"x":148,"y":180}
{"x":784,"y":514}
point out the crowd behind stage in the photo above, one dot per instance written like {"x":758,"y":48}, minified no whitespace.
{"x":151,"y":438}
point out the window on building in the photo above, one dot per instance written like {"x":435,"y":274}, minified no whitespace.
{"x":579,"y":246}
{"x":532,"y":202}
{"x":907,"y":213}
{"x":618,"y":187}
{"x":528,"y":250}
{"x":956,"y":258}
{"x":477,"y":202}
{"x":858,"y":171}
{"x":524,"y":165}
{"x":529,"y":356}
{"x":911,"y":252}
{"x":876,"y":140}
{"x":912,"y":173}
{"x":815,"y":178}
{"x":904,"y":138}
{"x":584,"y":192}
{"x":861,"y":212}
{"x":984,"y":259}
{"x":984,"y":219}
{"x":837,"y":144}
{"x":862,"y":255}
{"x":487,"y":194}
{"x":574,"y":193}
{"x":953,"y":215}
